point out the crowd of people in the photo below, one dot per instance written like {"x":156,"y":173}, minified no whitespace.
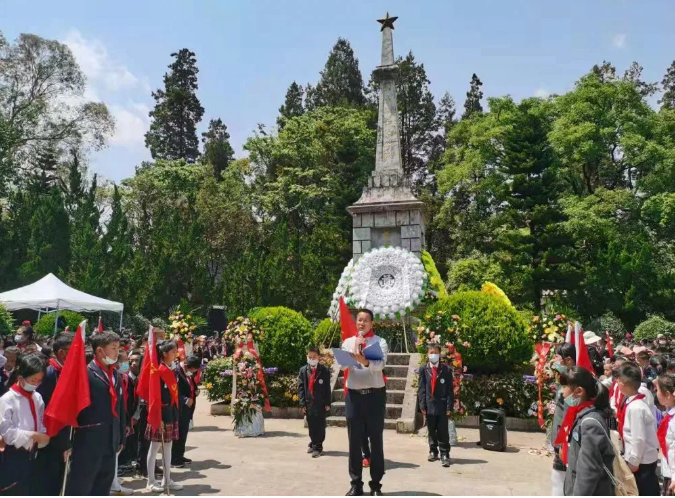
{"x":614,"y":410}
{"x":113,"y":437}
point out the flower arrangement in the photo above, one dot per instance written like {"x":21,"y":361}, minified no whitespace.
{"x":242,"y":330}
{"x":549,"y":328}
{"x":250,"y":397}
{"x":183,"y":324}
{"x":454,"y":361}
{"x":437,"y":332}
{"x":283,"y":391}
{"x":390,"y":281}
{"x":217,"y":382}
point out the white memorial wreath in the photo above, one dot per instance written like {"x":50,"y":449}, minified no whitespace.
{"x":390,"y":281}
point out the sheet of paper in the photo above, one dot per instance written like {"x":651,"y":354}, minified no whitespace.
{"x":373,"y":352}
{"x":344,"y":358}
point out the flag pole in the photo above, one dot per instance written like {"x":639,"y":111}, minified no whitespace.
{"x":65,"y":474}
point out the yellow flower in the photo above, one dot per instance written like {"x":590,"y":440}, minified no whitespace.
{"x":490,"y":288}
{"x":189,"y":317}
{"x":295,"y":397}
{"x":208,"y":385}
{"x":500,"y":401}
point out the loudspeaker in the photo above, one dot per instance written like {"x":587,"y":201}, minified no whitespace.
{"x":217,"y":319}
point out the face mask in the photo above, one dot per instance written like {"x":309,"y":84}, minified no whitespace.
{"x":572,"y":401}
{"x":189,"y":374}
{"x":560,"y":367}
{"x":19,"y":339}
{"x":433,"y":358}
{"x":312,"y":363}
{"x":29,"y":387}
{"x":109,"y":361}
{"x":124,"y":367}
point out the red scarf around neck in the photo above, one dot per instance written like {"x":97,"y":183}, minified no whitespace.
{"x":125,"y":389}
{"x":108,"y":370}
{"x":55,"y":364}
{"x":312,"y":379}
{"x":169,"y":378}
{"x":434,"y":378}
{"x":621,"y":411}
{"x":661,"y":435}
{"x":29,"y":396}
{"x":566,"y":428}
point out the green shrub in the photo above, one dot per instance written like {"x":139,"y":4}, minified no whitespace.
{"x":283,"y":390}
{"x":6,"y":322}
{"x":496,"y":332}
{"x":507,"y":391}
{"x":287,"y":334}
{"x":608,"y":323}
{"x":435,"y":281}
{"x":654,"y":326}
{"x":328,"y":334}
{"x":218,"y":386}
{"x":45,"y":326}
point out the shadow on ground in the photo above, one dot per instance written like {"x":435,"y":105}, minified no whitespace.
{"x":412,"y":493}
{"x":283,"y":434}
{"x":466,"y":461}
{"x":208,"y":428}
{"x":208,"y":464}
{"x":391,"y":465}
{"x":336,"y":453}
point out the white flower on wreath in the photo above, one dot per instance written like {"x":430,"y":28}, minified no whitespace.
{"x":388,"y":281}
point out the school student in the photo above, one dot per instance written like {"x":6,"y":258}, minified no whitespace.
{"x":50,"y":465}
{"x":169,"y":432}
{"x":122,"y":367}
{"x":637,"y":428}
{"x":315,"y":397}
{"x":101,"y":426}
{"x":564,"y":359}
{"x":187,"y":395}
{"x":665,"y":391}
{"x":21,"y":427}
{"x":436,"y":399}
{"x":586,"y":448}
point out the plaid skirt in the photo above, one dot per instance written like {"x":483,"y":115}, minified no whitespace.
{"x":170,"y":433}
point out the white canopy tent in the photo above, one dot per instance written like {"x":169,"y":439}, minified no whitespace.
{"x":50,"y":294}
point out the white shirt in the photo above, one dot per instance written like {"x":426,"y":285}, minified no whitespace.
{"x":639,"y":433}
{"x":649,"y":398}
{"x":16,"y":419}
{"x":668,"y":466}
{"x":370,"y":377}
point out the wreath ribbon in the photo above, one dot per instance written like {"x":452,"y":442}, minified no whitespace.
{"x":542,"y":349}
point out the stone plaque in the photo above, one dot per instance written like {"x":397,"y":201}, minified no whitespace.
{"x":385,"y":237}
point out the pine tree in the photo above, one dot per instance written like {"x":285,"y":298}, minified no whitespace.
{"x":117,"y":250}
{"x":605,"y":71}
{"x":473,"y":97}
{"x":445,"y":120}
{"x":44,"y":172}
{"x":341,"y":83}
{"x":292,"y":105}
{"x":634,"y":75}
{"x":668,"y":83}
{"x":217,"y":149}
{"x":173,"y":131}
{"x":74,"y":192}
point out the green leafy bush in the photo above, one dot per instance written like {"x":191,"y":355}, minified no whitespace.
{"x":608,"y":323}
{"x":654,"y":326}
{"x":45,"y":326}
{"x":496,"y":333}
{"x":218,"y":385}
{"x":435,"y":281}
{"x":506,"y":391}
{"x":283,"y":390}
{"x":287,"y":334}
{"x":6,"y":322}
{"x":328,"y":334}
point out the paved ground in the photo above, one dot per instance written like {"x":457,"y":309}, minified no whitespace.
{"x":278,"y":465}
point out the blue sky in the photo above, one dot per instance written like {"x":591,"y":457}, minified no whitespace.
{"x":248,"y":52}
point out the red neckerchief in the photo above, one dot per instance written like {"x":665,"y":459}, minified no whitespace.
{"x":182,"y":372}
{"x":566,"y":428}
{"x":661,"y":435}
{"x":125,"y":389}
{"x":312,"y":379}
{"x":108,"y":370}
{"x":55,"y":364}
{"x":29,"y":396}
{"x":621,"y":411}
{"x":169,"y":378}
{"x":434,"y":378}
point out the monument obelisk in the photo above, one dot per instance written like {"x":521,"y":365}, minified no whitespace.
{"x":387,"y":214}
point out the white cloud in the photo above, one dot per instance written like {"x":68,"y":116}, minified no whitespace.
{"x":619,"y":40}
{"x":542,"y":93}
{"x":131,"y":123}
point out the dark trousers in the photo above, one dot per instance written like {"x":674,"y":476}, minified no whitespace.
{"x":365,"y":418}
{"x":365,"y":445}
{"x":666,"y":485}
{"x":437,"y":427}
{"x":143,"y":444}
{"x":646,"y":480}
{"x":92,"y":471}
{"x":47,"y":477}
{"x":178,"y":447}
{"x":130,"y":452}
{"x":316,"y":422}
{"x":15,"y":472}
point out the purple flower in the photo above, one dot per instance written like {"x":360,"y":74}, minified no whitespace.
{"x":529,"y":379}
{"x":467,"y":376}
{"x":271,"y":370}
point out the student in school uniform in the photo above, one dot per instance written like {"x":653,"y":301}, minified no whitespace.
{"x":637,"y":428}
{"x":50,"y":465}
{"x":564,"y":359}
{"x":315,"y":398}
{"x":436,"y":399}
{"x":169,"y":432}
{"x":21,"y":427}
{"x":665,"y":391}
{"x":122,"y":367}
{"x":101,"y":426}
{"x":186,"y":395}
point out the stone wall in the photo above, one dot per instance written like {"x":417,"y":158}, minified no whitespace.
{"x":404,"y":228}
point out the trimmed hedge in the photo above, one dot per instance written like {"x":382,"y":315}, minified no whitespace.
{"x":327,"y":330}
{"x":287,"y":334}
{"x":654,"y":326}
{"x":497,"y":333}
{"x":45,"y":326}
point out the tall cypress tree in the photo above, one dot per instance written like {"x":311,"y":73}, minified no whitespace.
{"x":668,"y":83}
{"x":117,"y":251}
{"x":85,"y":243}
{"x":473,"y":97}
{"x":293,"y":105}
{"x":74,"y":191}
{"x":173,"y":131}
{"x":341,"y":82}
{"x":217,"y":149}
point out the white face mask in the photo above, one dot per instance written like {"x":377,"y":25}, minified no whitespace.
{"x":433,"y":358}
{"x":109,"y":361}
{"x":189,"y":374}
{"x":19,"y":339}
{"x":312,"y":363}
{"x":29,"y":387}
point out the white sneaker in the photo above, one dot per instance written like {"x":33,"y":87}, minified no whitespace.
{"x":122,"y":491}
{"x":154,"y":488}
{"x":174,"y":486}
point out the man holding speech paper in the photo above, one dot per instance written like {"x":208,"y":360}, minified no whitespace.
{"x":365,"y":401}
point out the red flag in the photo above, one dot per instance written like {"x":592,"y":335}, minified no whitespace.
{"x":71,"y":394}
{"x":610,"y":351}
{"x":148,"y":382}
{"x":100,"y":325}
{"x":583,"y":360}
{"x":347,"y":322}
